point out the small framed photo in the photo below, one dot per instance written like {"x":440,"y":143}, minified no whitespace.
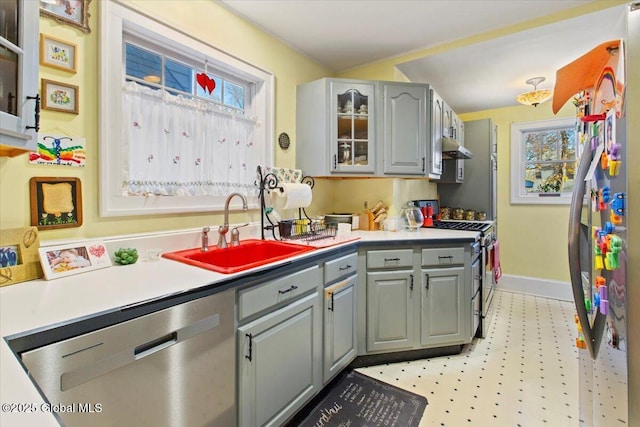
{"x":70,"y":12}
{"x":55,"y":202}
{"x":72,"y":259}
{"x":58,"y":96}
{"x":57,"y":53}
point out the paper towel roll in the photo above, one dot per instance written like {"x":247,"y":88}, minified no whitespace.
{"x":295,"y":195}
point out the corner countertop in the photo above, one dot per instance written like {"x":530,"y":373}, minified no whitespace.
{"x":39,"y":304}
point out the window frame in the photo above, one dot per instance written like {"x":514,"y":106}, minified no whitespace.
{"x":116,"y":19}
{"x":519,"y":194}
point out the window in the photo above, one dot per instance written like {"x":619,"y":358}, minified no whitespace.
{"x":543,"y":161}
{"x":185,"y":91}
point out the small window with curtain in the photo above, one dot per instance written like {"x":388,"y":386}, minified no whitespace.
{"x":183,"y":124}
{"x":543,"y":161}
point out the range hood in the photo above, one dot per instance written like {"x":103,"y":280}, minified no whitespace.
{"x":452,"y":150}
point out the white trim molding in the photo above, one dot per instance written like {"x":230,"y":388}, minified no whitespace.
{"x":554,"y":289}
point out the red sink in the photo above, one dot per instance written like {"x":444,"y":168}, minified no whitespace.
{"x":249,"y":254}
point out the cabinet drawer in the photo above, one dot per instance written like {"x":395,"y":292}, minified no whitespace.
{"x":390,"y":258}
{"x":254,"y":300}
{"x":340,"y":267}
{"x":442,"y":256}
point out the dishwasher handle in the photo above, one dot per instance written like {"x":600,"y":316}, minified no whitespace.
{"x":153,"y":346}
{"x":74,"y":378}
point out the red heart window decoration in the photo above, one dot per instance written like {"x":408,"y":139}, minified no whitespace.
{"x":205,"y":82}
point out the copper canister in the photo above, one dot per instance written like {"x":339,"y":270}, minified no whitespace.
{"x":457,"y":213}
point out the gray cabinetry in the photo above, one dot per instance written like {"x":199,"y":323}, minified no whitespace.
{"x":391,"y":301}
{"x":340,"y":309}
{"x":335,"y":127}
{"x":446,"y":296}
{"x":443,"y":307}
{"x":417,"y":297}
{"x":453,"y":169}
{"x":436,"y":130}
{"x":350,"y":127}
{"x":405,"y":126}
{"x":280,"y":352}
{"x":19,"y":40}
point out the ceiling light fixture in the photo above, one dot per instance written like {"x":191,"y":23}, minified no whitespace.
{"x":535,"y":96}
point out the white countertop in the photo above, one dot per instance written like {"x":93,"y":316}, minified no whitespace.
{"x":41,"y":304}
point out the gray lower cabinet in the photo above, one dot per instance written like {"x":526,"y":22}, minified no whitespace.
{"x":340,"y":339}
{"x":280,"y":352}
{"x":391,"y":299}
{"x":443,"y":307}
{"x":416,"y":297}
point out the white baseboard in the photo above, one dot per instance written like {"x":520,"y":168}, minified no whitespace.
{"x":534,"y":286}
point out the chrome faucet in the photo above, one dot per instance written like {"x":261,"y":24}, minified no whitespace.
{"x":222,"y":231}
{"x":205,"y":239}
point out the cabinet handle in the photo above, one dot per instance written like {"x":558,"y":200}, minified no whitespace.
{"x":460,"y":173}
{"x":250,"y":356}
{"x":36,"y":111}
{"x":335,"y":161}
{"x":346,"y":267}
{"x":445,"y":257}
{"x":427,"y":286}
{"x":391,"y":259}
{"x":330,"y":308}
{"x":411,"y":282}
{"x":292,"y":288}
{"x":423,"y":164}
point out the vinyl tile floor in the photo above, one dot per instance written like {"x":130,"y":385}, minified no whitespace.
{"x":524,"y":374}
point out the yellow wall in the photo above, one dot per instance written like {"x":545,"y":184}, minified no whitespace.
{"x":528,"y":253}
{"x":207,"y":21}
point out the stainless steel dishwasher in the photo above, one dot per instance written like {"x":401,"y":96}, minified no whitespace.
{"x":174,"y":367}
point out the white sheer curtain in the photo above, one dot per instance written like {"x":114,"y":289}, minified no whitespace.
{"x":176,"y":146}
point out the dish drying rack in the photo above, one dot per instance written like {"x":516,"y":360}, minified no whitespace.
{"x":301,"y":229}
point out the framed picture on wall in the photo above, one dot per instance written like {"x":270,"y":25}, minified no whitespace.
{"x":57,"y":53}
{"x":55,"y":202}
{"x":71,"y":12}
{"x":58,"y":96}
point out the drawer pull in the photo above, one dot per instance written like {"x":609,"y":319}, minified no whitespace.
{"x":291,"y":288}
{"x":445,"y":257}
{"x":346,"y":267}
{"x":391,"y":259}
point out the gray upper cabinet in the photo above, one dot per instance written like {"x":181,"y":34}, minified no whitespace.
{"x":405,"y":127}
{"x":453,"y":169}
{"x":371,"y":128}
{"x":335,"y":127}
{"x":18,"y":105}
{"x":434,"y":169}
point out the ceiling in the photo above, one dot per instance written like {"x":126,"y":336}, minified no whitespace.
{"x":344,"y":34}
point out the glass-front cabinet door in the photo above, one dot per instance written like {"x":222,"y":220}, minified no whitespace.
{"x":352,"y":140}
{"x":19,"y":108}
